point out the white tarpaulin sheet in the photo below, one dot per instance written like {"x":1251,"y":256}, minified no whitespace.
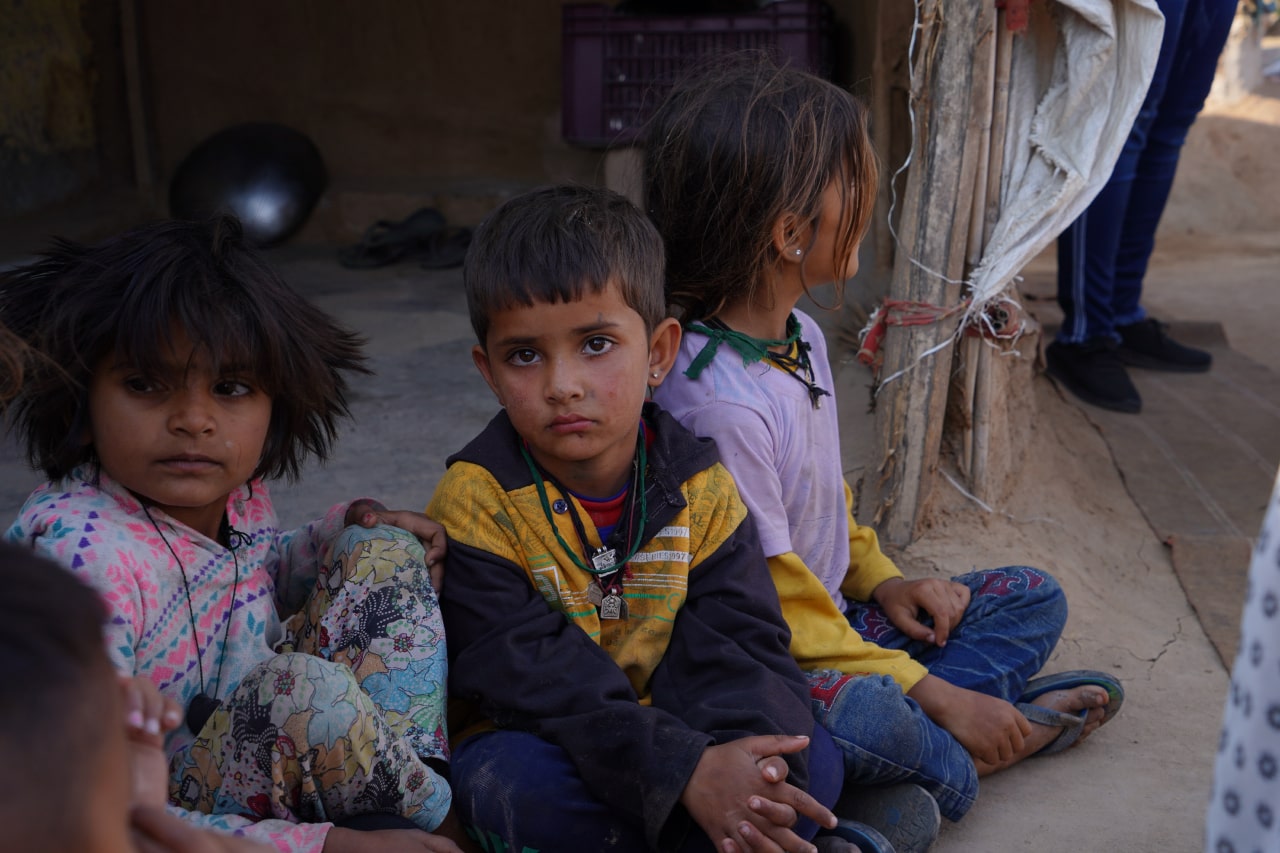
{"x":1078,"y":77}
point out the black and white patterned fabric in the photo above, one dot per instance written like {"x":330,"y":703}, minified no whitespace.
{"x":1244,"y":813}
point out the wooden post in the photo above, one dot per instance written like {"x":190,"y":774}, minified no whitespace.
{"x":968,"y":355}
{"x":952,"y":58}
{"x":985,"y":391}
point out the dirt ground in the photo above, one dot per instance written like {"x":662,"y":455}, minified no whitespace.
{"x":1142,"y":783}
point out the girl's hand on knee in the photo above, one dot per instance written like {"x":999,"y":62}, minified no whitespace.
{"x":367,"y":513}
{"x":148,"y":716}
{"x":903,"y":601}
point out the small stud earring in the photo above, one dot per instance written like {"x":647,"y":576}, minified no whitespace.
{"x":798,"y":251}
{"x":655,"y":374}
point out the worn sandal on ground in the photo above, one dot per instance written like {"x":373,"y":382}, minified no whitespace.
{"x":849,"y":836}
{"x":1072,"y":723}
{"x":905,"y":813}
{"x":386,"y":242}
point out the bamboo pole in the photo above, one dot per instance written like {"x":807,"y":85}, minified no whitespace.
{"x":985,"y":392}
{"x":968,"y":354}
{"x":952,"y":50}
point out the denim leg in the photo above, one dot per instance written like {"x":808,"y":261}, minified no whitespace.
{"x":1088,"y":248}
{"x":1014,"y":619}
{"x":886,"y":738}
{"x":517,"y":793}
{"x":1191,"y":66}
{"x":826,"y":776}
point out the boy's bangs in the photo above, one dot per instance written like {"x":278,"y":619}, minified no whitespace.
{"x":562,"y":270}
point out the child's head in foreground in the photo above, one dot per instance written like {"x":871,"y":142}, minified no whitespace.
{"x":66,"y":783}
{"x":565,"y":290}
{"x":176,"y":361}
{"x":749,"y":166}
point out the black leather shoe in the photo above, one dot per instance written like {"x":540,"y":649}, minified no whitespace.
{"x":1147,"y":344}
{"x":1094,"y":372}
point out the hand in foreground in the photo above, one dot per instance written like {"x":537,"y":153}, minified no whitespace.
{"x":367,"y":513}
{"x":148,"y":716}
{"x":990,"y":729}
{"x":739,"y":796}
{"x":387,"y":841}
{"x":156,"y":831}
{"x":903,"y":600}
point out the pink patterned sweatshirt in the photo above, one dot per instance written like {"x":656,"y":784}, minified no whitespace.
{"x":98,"y":529}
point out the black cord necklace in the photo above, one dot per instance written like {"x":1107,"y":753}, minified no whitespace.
{"x":799,"y":367}
{"x":202,"y":704}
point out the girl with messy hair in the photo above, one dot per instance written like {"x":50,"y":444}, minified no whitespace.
{"x":168,"y":373}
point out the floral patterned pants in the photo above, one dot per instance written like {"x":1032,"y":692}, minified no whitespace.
{"x":346,"y":718}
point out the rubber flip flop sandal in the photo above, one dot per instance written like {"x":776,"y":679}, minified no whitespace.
{"x":386,"y":242}
{"x":904,"y":813}
{"x":1073,"y":678}
{"x":1072,"y":725}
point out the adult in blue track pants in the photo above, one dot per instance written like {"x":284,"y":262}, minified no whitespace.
{"x":1103,"y":255}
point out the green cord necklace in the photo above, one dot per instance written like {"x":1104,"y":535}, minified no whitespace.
{"x":799,"y":367}
{"x":605,"y":560}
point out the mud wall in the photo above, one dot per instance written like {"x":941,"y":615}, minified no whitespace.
{"x":398,"y":96}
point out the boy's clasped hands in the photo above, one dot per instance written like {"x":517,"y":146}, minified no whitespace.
{"x":738,"y":793}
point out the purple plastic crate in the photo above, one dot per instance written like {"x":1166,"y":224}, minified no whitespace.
{"x":617,"y":67}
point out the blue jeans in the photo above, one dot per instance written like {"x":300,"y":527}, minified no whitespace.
{"x":1103,"y":255}
{"x":1006,"y":635}
{"x":517,"y":793}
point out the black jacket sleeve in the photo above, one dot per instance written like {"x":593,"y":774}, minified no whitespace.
{"x":729,"y":670}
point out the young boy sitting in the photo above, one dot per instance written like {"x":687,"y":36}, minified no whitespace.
{"x":72,"y":733}
{"x":627,"y":685}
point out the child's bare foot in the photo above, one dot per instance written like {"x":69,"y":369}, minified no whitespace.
{"x":1056,"y":714}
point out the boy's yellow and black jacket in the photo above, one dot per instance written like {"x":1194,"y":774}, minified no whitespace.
{"x":701,"y":659}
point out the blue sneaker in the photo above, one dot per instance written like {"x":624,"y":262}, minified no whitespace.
{"x":849,"y":836}
{"x":905,"y":814}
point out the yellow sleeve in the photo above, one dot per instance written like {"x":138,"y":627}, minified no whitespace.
{"x":868,"y":566}
{"x":821,"y":637}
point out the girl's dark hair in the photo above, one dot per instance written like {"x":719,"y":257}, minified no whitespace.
{"x":736,"y":145}
{"x":556,"y":243}
{"x":130,"y":296}
{"x":13,"y":353}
